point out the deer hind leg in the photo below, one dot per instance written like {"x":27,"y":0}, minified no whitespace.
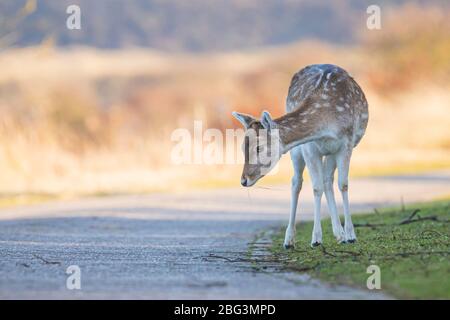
{"x":315,"y":167}
{"x":343,"y":165}
{"x":329,"y":168}
{"x":297,"y":180}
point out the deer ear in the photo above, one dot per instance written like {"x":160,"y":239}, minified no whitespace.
{"x":243,"y":118}
{"x":267,"y":122}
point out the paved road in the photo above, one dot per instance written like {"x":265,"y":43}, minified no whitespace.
{"x":180,"y":246}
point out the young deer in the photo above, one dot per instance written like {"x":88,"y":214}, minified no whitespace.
{"x":327,"y":115}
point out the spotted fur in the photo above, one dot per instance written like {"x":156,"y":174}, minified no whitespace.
{"x":345,"y":109}
{"x":327,"y":116}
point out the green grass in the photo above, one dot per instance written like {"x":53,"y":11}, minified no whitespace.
{"x":413,"y":257}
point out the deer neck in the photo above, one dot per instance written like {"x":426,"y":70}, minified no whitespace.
{"x":295,"y":129}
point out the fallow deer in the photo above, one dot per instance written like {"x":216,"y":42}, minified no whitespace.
{"x":327,"y":115}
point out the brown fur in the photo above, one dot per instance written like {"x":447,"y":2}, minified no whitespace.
{"x":322,"y":97}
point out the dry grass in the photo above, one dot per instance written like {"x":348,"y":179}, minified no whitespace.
{"x":84,"y":121}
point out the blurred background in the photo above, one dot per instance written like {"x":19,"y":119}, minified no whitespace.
{"x":91,"y":111}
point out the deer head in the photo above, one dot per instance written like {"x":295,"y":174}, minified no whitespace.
{"x":261,"y":146}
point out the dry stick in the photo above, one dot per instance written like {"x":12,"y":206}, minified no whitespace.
{"x":407,"y":254}
{"x":349,"y":252}
{"x":46,"y":261}
{"x":413,"y":214}
{"x":298,"y":250}
{"x":214,"y":256}
{"x":368,"y":225}
{"x":410,"y":219}
{"x":433,"y":218}
{"x":325,"y":252}
{"x":301,"y":269}
{"x":23,"y":264}
{"x":220,"y":257}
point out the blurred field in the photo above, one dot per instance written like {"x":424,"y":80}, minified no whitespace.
{"x":84,"y":121}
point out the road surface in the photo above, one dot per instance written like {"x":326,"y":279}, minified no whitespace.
{"x":176,"y":246}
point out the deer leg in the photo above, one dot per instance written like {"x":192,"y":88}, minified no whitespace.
{"x":329,"y":167}
{"x":299,"y":165}
{"x":343,"y":164}
{"x":315,"y":167}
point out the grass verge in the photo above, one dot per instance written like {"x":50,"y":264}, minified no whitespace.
{"x":410,"y":245}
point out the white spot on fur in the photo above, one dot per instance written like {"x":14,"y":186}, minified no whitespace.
{"x":324,"y":96}
{"x":364,"y":116}
{"x":347,"y":105}
{"x":326,"y":104}
{"x":320,"y":78}
{"x":317,"y":105}
{"x":304,"y":120}
{"x":339,"y":108}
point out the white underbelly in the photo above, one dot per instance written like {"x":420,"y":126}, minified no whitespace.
{"x":325,"y":146}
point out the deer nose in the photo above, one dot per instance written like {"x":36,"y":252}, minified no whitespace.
{"x":244,"y":181}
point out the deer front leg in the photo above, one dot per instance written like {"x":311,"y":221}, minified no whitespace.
{"x":316,"y":239}
{"x":315,"y":168}
{"x":297,"y":180}
{"x":343,"y":163}
{"x":289,"y":239}
{"x":329,"y":168}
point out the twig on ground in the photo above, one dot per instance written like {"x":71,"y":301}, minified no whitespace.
{"x":407,"y":254}
{"x":23,"y":264}
{"x":46,"y":261}
{"x":353,"y":253}
{"x":411,"y":216}
{"x":301,"y":269}
{"x":214,"y":256}
{"x":325,"y":252}
{"x":433,"y":218}
{"x":368,"y":225}
{"x":408,"y":220}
